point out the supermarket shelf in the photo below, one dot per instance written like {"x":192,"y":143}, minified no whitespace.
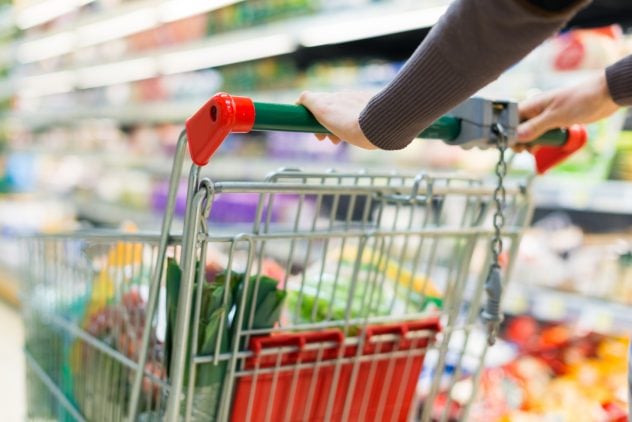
{"x":591,"y":313}
{"x":6,"y":54}
{"x":550,"y":193}
{"x":7,"y":45}
{"x":603,"y":197}
{"x":110,"y":214}
{"x":7,"y":19}
{"x":7,"y":86}
{"x":9,"y":286}
{"x":117,"y":22}
{"x":155,"y":112}
{"x":38,"y":12}
{"x":264,"y":41}
{"x":126,"y":113}
{"x":233,"y":168}
{"x":221,"y":167}
{"x":369,"y":22}
{"x":228,"y":168}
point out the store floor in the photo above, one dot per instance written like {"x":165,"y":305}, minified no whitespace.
{"x":12,"y":390}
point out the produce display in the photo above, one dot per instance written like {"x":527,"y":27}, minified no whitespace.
{"x":253,"y":13}
{"x":558,"y":374}
{"x":558,"y":254}
{"x":621,"y":168}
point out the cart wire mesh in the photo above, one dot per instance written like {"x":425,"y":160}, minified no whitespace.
{"x":308,"y":296}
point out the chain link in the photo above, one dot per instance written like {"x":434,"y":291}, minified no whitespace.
{"x":499,"y":195}
{"x":493,"y":285}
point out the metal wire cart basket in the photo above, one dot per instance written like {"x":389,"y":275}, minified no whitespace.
{"x":338,"y":297}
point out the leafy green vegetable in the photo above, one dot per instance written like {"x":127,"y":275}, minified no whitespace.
{"x":320,"y":297}
{"x":219,"y":306}
{"x":268,"y":302}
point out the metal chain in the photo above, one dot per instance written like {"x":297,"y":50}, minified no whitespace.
{"x":493,"y":285}
{"x":499,"y":193}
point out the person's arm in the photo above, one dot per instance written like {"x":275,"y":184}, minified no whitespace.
{"x":469,"y":47}
{"x":589,"y":101}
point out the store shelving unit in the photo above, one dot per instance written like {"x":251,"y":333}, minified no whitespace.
{"x":146,"y":113}
{"x":107,"y":214}
{"x":7,"y":49}
{"x":613,"y":197}
{"x":9,"y":286}
{"x":47,"y":66}
{"x":115,"y":22}
{"x":285,"y":37}
{"x":269,"y":40}
{"x":588,"y":312}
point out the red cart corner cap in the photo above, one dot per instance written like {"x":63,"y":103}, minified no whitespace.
{"x":214,"y":121}
{"x":548,"y":157}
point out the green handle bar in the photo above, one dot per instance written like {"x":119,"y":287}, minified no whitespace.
{"x":224,"y":114}
{"x":296,"y":118}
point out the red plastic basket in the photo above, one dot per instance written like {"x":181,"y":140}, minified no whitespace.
{"x":301,"y":373}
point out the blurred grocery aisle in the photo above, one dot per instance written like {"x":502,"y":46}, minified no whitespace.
{"x":93,"y":95}
{"x":12,"y":390}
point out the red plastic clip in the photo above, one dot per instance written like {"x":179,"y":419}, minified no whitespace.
{"x":431,"y":325}
{"x":298,"y":340}
{"x":547,"y":157}
{"x":210,"y":125}
{"x":257,"y":344}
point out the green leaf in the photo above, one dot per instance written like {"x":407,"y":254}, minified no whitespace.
{"x":269,"y":310}
{"x":174,"y":274}
{"x":266,"y":310}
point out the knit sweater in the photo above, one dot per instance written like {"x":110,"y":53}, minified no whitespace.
{"x":472,"y":43}
{"x":619,"y":79}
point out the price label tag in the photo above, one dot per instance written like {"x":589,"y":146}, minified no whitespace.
{"x":549,"y":307}
{"x":597,"y":319}
{"x":516,"y":302}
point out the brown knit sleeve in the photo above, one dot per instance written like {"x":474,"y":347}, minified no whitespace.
{"x":469,"y":47}
{"x":619,"y":79}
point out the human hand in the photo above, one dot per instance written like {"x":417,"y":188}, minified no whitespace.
{"x":339,"y":112}
{"x":586,"y":102}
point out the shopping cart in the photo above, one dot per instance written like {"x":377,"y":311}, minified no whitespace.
{"x":335,"y":297}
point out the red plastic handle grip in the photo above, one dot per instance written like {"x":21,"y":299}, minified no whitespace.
{"x":210,"y":125}
{"x":547,"y":157}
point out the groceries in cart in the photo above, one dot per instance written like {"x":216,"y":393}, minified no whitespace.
{"x":111,"y":308}
{"x":221,"y":298}
{"x":306,"y":298}
{"x":384,"y":288}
